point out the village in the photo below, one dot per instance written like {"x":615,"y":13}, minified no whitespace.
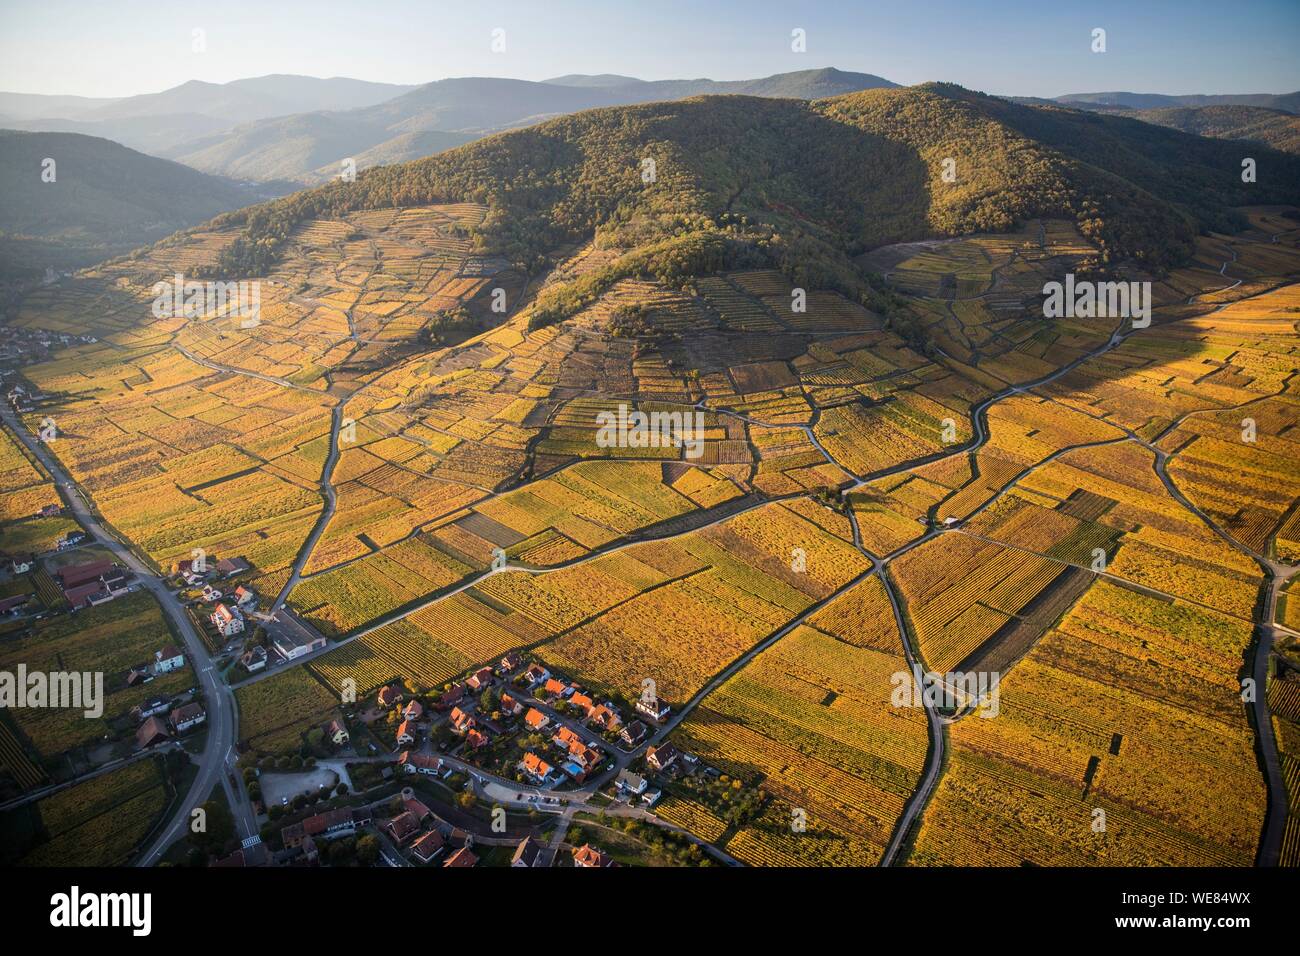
{"x":498,"y":768}
{"x":505,"y":766}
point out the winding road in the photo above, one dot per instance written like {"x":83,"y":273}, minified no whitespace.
{"x":219,"y":701}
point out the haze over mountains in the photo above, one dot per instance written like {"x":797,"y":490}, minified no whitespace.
{"x":1290,"y":102}
{"x":302,"y":128}
{"x":100,"y":200}
{"x":272,"y":131}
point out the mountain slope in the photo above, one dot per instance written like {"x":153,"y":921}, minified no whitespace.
{"x":160,"y":123}
{"x":1289,"y":102}
{"x":592,"y":79}
{"x":16,"y":106}
{"x":242,"y":101}
{"x":298,"y":146}
{"x":105,"y":200}
{"x":804,"y":186}
{"x":1275,"y":128}
{"x":156,"y":135}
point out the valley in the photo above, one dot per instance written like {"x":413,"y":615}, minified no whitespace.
{"x":888,"y":465}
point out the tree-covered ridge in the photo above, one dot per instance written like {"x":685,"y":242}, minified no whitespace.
{"x":715,"y":182}
{"x":1139,"y":191}
{"x":1275,"y":128}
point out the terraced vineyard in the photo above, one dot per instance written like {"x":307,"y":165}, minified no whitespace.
{"x":859,"y":482}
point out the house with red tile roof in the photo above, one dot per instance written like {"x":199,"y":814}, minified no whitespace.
{"x":537,"y":768}
{"x":420,"y":763}
{"x":428,"y":846}
{"x":535,"y":719}
{"x":451,"y":698}
{"x":605,"y":717}
{"x":460,"y":721}
{"x":588,"y":857}
{"x":336,"y":732}
{"x":462,"y":857}
{"x":407,"y":733}
{"x":227,"y":622}
{"x":330,"y":824}
{"x":187,"y":716}
{"x":402,"y":828}
{"x":566,"y":736}
{"x":417,"y":809}
{"x":152,"y":731}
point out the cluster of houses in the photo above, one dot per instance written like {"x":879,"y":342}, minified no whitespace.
{"x":228,"y":619}
{"x":160,"y":721}
{"x":577,"y":757}
{"x":416,"y":828}
{"x":475,"y":728}
{"x":322,"y":827}
{"x":601,"y":716}
{"x":25,"y":400}
{"x":23,"y":346}
{"x":569,"y":755}
{"x":196,"y":571}
{"x":413,"y":829}
{"x":531,"y":853}
{"x":90,"y":583}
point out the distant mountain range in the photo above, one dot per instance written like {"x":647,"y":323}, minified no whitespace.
{"x":1267,"y":118}
{"x":1288,"y":102}
{"x":1275,"y":128}
{"x":302,"y":128}
{"x":262,"y":137}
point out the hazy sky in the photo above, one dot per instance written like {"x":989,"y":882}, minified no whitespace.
{"x":123,"y":47}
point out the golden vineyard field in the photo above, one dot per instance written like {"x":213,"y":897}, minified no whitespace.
{"x":1078,"y":513}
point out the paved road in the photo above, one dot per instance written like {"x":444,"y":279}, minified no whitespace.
{"x":219,"y":702}
{"x":327,"y":513}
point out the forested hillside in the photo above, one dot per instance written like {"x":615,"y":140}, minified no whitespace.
{"x":713,"y":182}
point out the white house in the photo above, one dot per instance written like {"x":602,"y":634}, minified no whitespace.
{"x":190,"y":715}
{"x":227,"y":621}
{"x":168,"y":659}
